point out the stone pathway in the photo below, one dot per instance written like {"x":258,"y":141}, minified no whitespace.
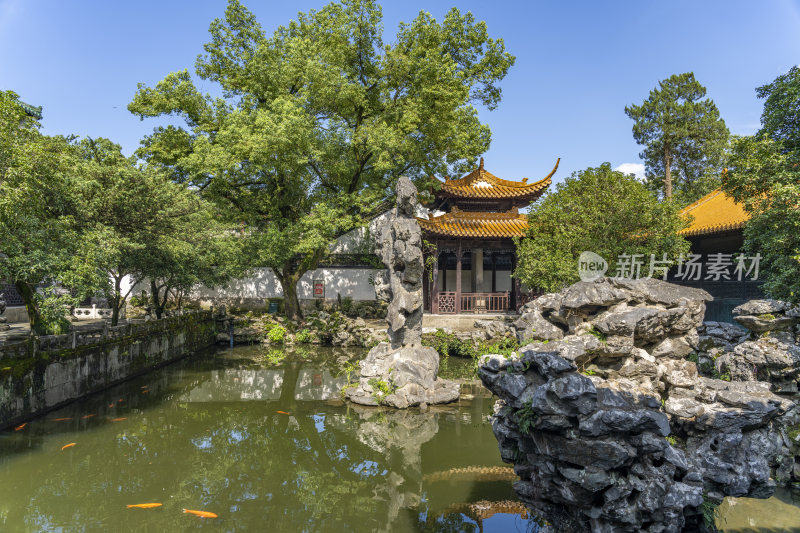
{"x":21,"y":330}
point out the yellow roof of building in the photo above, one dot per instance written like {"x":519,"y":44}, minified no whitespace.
{"x":714,"y":213}
{"x":480,"y":183}
{"x":459,"y":223}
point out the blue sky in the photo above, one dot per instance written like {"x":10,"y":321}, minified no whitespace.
{"x":578,"y":64}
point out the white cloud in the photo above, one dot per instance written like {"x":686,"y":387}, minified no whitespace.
{"x":637,"y":169}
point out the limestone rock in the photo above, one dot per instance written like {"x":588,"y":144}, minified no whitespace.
{"x":584,"y":415}
{"x":761,"y":307}
{"x":533,"y":326}
{"x":402,"y":373}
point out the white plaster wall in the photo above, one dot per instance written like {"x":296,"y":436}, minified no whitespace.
{"x":352,"y":282}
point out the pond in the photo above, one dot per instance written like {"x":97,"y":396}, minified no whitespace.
{"x":262,"y":439}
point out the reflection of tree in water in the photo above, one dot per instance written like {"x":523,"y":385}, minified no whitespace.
{"x":323,"y":467}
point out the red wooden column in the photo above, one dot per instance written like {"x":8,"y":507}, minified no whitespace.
{"x":516,"y":284}
{"x":435,"y":289}
{"x":458,"y":278}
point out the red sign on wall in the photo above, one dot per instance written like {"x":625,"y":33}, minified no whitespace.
{"x":319,"y":288}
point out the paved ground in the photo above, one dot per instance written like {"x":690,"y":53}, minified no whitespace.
{"x":461,"y":322}
{"x":20,"y":330}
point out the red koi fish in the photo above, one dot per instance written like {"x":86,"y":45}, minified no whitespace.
{"x":145,"y":505}
{"x":282,"y":412}
{"x":20,"y":426}
{"x":60,"y":419}
{"x":88,"y":416}
{"x":118,"y":419}
{"x":201,"y":514}
{"x":70,"y":445}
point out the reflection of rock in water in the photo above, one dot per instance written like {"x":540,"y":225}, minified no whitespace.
{"x":385,"y":431}
{"x":233,"y":384}
{"x":388,"y":432}
{"x":402,"y":373}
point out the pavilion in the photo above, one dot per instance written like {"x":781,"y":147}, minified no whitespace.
{"x":716,"y":231}
{"x":471,"y":226}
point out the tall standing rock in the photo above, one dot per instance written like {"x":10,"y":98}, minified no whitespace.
{"x":402,"y":372}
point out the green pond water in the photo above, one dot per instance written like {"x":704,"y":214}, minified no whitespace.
{"x":206,"y":434}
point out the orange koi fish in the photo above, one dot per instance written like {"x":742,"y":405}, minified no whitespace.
{"x":201,"y":514}
{"x":70,"y":445}
{"x":145,"y":391}
{"x":20,"y":426}
{"x":118,"y":419}
{"x":145,"y":505}
{"x":61,"y":419}
{"x":282,"y":412}
{"x":88,"y":416}
{"x":111,"y":405}
{"x":120,"y":400}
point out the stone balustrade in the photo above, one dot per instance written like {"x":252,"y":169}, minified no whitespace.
{"x":38,"y":374}
{"x":90,"y":336}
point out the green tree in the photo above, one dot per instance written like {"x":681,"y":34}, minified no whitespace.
{"x":780,"y":119}
{"x":763,"y":177}
{"x":147,"y":228}
{"x":684,"y":138}
{"x":598,"y":210}
{"x":318,"y":120}
{"x":40,"y":238}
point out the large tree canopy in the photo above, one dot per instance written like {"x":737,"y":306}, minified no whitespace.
{"x":684,"y":138}
{"x":144,"y":226}
{"x":780,"y":119}
{"x":39,"y":211}
{"x":764,"y":175}
{"x":602,"y":211}
{"x":317,"y":121}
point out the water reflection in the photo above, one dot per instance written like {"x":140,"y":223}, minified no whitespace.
{"x":263,"y":446}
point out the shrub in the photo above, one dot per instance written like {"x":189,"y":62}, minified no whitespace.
{"x":53,"y":311}
{"x":303,"y":336}
{"x":276,"y":334}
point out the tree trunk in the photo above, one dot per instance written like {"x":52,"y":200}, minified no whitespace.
{"x":289,"y":276}
{"x":158,"y":305}
{"x":667,"y":171}
{"x":29,"y":297}
{"x":115,"y":301}
{"x":290,"y":300}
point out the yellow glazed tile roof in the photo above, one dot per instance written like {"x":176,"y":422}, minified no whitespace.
{"x":714,"y":213}
{"x":481,"y":183}
{"x":459,"y":223}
